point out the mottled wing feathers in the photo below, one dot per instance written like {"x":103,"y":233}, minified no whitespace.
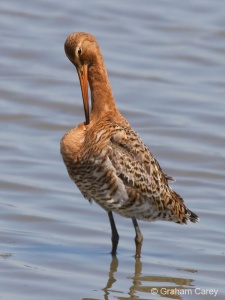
{"x":136,"y":166}
{"x":138,"y":169}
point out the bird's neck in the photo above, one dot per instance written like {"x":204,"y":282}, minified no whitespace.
{"x":102,"y":100}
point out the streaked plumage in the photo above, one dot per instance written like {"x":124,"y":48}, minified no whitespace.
{"x":107,"y":159}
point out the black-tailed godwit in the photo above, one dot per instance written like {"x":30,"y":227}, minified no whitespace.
{"x":106,"y":158}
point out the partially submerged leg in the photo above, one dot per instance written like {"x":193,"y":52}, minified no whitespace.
{"x":138,"y":238}
{"x":115,"y":235}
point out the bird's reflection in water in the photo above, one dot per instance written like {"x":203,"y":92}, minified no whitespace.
{"x":112,"y":270}
{"x":165,"y":286}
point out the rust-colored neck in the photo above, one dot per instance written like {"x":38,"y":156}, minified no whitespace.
{"x":102,"y":100}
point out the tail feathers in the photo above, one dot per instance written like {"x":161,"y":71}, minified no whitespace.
{"x":189,"y":216}
{"x":180,"y":210}
{"x":192,"y":217}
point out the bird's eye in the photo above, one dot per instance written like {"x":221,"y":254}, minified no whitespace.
{"x":79,"y":51}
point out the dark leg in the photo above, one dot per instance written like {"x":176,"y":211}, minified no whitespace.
{"x":115,"y":235}
{"x":138,"y":238}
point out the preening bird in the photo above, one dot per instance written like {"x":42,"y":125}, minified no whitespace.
{"x":106,"y":158}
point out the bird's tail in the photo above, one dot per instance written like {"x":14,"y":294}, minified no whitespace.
{"x":181,"y":211}
{"x":192,"y":217}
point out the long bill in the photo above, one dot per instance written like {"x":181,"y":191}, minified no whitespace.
{"x":83,"y":76}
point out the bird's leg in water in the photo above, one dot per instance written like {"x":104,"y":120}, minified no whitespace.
{"x":115,"y":235}
{"x":138,"y":238}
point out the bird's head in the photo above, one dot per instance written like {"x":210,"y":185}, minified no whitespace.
{"x":81,"y":48}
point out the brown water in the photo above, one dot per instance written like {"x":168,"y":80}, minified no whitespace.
{"x":166,"y":62}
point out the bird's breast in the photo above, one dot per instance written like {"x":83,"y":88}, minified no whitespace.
{"x":87,"y":158}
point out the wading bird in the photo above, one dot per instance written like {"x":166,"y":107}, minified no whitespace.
{"x":106,"y":158}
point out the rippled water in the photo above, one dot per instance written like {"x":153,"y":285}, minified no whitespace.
{"x":166,"y":64}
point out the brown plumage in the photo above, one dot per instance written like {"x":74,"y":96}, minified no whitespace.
{"x":107,"y":159}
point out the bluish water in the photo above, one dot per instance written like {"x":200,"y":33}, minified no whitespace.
{"x":167,"y":69}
